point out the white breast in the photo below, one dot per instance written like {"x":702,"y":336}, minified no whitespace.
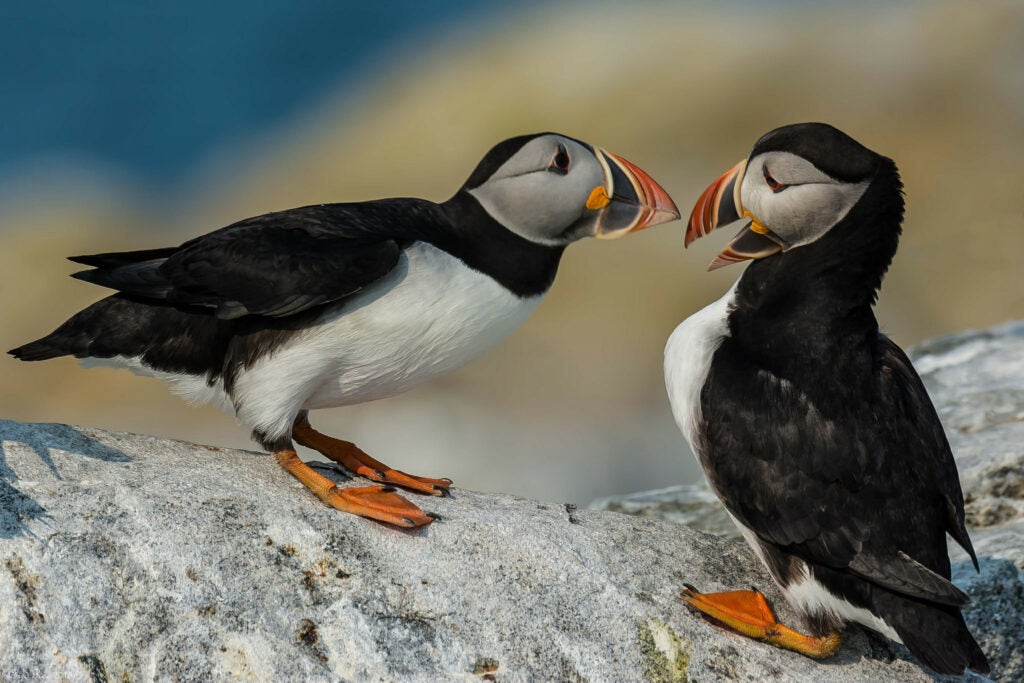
{"x":430,"y":315}
{"x":688,"y":357}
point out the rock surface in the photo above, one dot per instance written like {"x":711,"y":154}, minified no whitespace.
{"x":976,"y":380}
{"x":691,"y":504}
{"x":134,"y":558}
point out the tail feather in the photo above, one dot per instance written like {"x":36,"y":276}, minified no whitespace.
{"x":141,"y":279}
{"x":106,"y":328}
{"x":41,"y":349}
{"x":163,"y":337}
{"x":74,"y":338}
{"x":936,"y":634}
{"x":120,"y":258}
{"x":134,"y":272}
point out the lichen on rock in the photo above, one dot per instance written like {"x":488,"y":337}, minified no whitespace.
{"x":666,"y":657}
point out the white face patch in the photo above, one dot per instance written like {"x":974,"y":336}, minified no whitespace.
{"x":811,"y":203}
{"x":538,"y":204}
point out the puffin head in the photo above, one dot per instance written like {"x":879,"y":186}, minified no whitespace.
{"x":799,"y":182}
{"x":553,"y":190}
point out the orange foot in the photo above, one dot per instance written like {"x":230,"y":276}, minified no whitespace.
{"x":376,"y":502}
{"x":353,"y":458}
{"x":749,"y":613}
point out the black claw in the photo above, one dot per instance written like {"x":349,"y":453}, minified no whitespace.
{"x":433,"y":515}
{"x":690,"y":587}
{"x":387,"y":489}
{"x":444,"y":491}
{"x":379,"y":475}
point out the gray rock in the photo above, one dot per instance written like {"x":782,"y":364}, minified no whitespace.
{"x":690,"y":504}
{"x":976,"y":380}
{"x":996,"y":613}
{"x":134,"y":558}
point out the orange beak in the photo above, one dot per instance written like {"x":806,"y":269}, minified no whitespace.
{"x":720,"y":204}
{"x":635,"y":200}
{"x":708,"y":213}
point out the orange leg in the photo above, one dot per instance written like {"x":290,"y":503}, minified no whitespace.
{"x":749,"y":613}
{"x":353,"y":458}
{"x":376,"y":502}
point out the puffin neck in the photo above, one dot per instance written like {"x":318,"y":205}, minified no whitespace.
{"x":818,"y":298}
{"x":473,"y":236}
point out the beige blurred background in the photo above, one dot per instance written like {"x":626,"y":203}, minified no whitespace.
{"x":573,"y":405}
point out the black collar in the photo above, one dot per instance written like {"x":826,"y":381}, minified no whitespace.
{"x":473,"y":236}
{"x":798,"y":309}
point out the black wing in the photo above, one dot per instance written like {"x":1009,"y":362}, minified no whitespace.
{"x":903,"y":381}
{"x":277,"y":264}
{"x":853,"y":475}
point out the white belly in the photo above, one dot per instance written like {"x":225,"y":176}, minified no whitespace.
{"x":688,"y":357}
{"x":429,"y":316}
{"x":807,"y":596}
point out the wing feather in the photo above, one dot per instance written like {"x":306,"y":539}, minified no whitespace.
{"x":276,"y":265}
{"x":857,"y":477}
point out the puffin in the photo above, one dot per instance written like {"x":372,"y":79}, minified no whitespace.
{"x":336,"y":304}
{"x":812,"y":427}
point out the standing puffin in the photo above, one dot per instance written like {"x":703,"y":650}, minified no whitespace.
{"x":337,"y":304}
{"x":812,"y":427}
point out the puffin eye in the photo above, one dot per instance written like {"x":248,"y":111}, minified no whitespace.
{"x":773,"y":184}
{"x":560,"y":162}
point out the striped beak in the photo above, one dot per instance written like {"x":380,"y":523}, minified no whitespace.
{"x":720,"y":205}
{"x":630,"y":200}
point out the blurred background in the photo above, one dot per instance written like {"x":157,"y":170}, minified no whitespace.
{"x":128,"y":125}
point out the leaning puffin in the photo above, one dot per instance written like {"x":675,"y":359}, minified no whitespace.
{"x":813,"y":427}
{"x":337,"y":304}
